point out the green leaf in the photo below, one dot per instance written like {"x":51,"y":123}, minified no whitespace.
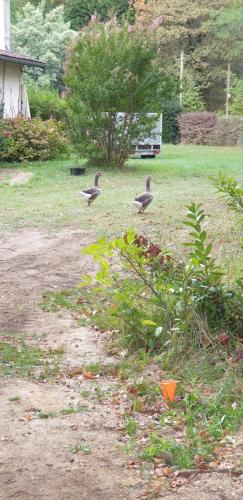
{"x":148,"y":322}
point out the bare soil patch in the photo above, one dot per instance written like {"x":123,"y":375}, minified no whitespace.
{"x":13,"y":177}
{"x":36,"y":454}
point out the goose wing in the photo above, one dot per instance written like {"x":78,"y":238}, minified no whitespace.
{"x":144,"y":198}
{"x":90,"y":193}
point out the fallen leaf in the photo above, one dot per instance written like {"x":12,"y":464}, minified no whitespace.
{"x":88,"y":375}
{"x":213,"y":464}
{"x":167,"y":471}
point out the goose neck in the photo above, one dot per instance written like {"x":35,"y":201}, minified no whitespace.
{"x":148,"y":186}
{"x":97,"y":180}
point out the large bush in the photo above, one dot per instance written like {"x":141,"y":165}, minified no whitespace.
{"x":208,"y":128}
{"x":195,"y":128}
{"x":112,"y":69}
{"x":23,"y":139}
{"x":45,"y":103}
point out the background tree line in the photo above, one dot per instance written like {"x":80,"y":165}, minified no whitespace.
{"x":210,"y":33}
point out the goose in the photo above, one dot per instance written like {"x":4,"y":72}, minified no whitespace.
{"x":143,"y":200}
{"x":91,"y":193}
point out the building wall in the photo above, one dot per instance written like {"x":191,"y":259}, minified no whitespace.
{"x":12,"y":92}
{"x":4,"y":24}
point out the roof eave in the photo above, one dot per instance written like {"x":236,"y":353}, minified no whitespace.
{"x":24,"y":62}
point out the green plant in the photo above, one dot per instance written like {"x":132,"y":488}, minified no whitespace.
{"x":231,"y":190}
{"x":85,"y":448}
{"x":79,"y":12}
{"x":93,"y":368}
{"x":42,"y":35}
{"x":14,"y":398}
{"x":131,"y":426}
{"x":129,"y":82}
{"x":169,"y":451}
{"x":191,"y":98}
{"x":19,"y":359}
{"x":75,"y":409}
{"x":45,"y":103}
{"x":236,"y":107}
{"x":170,"y":130}
{"x":45,"y":414}
{"x":159,"y":304}
{"x":22,"y":139}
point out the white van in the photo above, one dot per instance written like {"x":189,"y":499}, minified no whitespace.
{"x":151,"y":146}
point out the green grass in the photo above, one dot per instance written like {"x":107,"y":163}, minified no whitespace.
{"x":14,"y":398}
{"x":75,"y":409}
{"x":208,"y":410}
{"x":45,"y":414}
{"x":85,"y":448}
{"x":180,"y":174}
{"x":19,"y":359}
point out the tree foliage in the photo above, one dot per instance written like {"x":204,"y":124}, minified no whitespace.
{"x":79,"y":12}
{"x":236,"y":107}
{"x":112,"y":69}
{"x":45,"y":103}
{"x":43,"y":36}
{"x":195,"y":27}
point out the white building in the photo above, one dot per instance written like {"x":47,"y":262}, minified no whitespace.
{"x":13,"y":96}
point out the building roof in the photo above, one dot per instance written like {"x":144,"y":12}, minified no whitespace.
{"x":9,"y":56}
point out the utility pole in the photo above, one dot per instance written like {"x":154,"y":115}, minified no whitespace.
{"x":227,"y":93}
{"x":181,"y":75}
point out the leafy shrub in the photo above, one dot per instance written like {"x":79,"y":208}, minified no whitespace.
{"x":207,"y":128}
{"x":196,"y":127}
{"x":23,"y":139}
{"x":226,"y":132}
{"x":157,"y":303}
{"x":45,"y":103}
{"x":129,"y":82}
{"x":170,"y":132}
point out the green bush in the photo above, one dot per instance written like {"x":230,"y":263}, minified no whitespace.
{"x":23,"y":139}
{"x":159,"y":304}
{"x":45,"y":103}
{"x":113,"y":69}
{"x":170,"y":133}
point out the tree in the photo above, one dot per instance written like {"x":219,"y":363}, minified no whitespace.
{"x":43,"y":36}
{"x":191,"y":97}
{"x":112,"y":69}
{"x":236,"y":107}
{"x":79,"y":12}
{"x":187,"y":25}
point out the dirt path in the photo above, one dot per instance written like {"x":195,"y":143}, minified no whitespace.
{"x":36,"y":454}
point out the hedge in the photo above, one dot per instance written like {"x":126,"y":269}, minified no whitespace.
{"x":208,"y":128}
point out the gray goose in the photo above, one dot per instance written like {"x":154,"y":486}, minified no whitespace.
{"x":143,"y":200}
{"x":91,"y":193}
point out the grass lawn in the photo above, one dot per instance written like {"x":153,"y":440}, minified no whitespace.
{"x":189,"y":432}
{"x":180,"y":175}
